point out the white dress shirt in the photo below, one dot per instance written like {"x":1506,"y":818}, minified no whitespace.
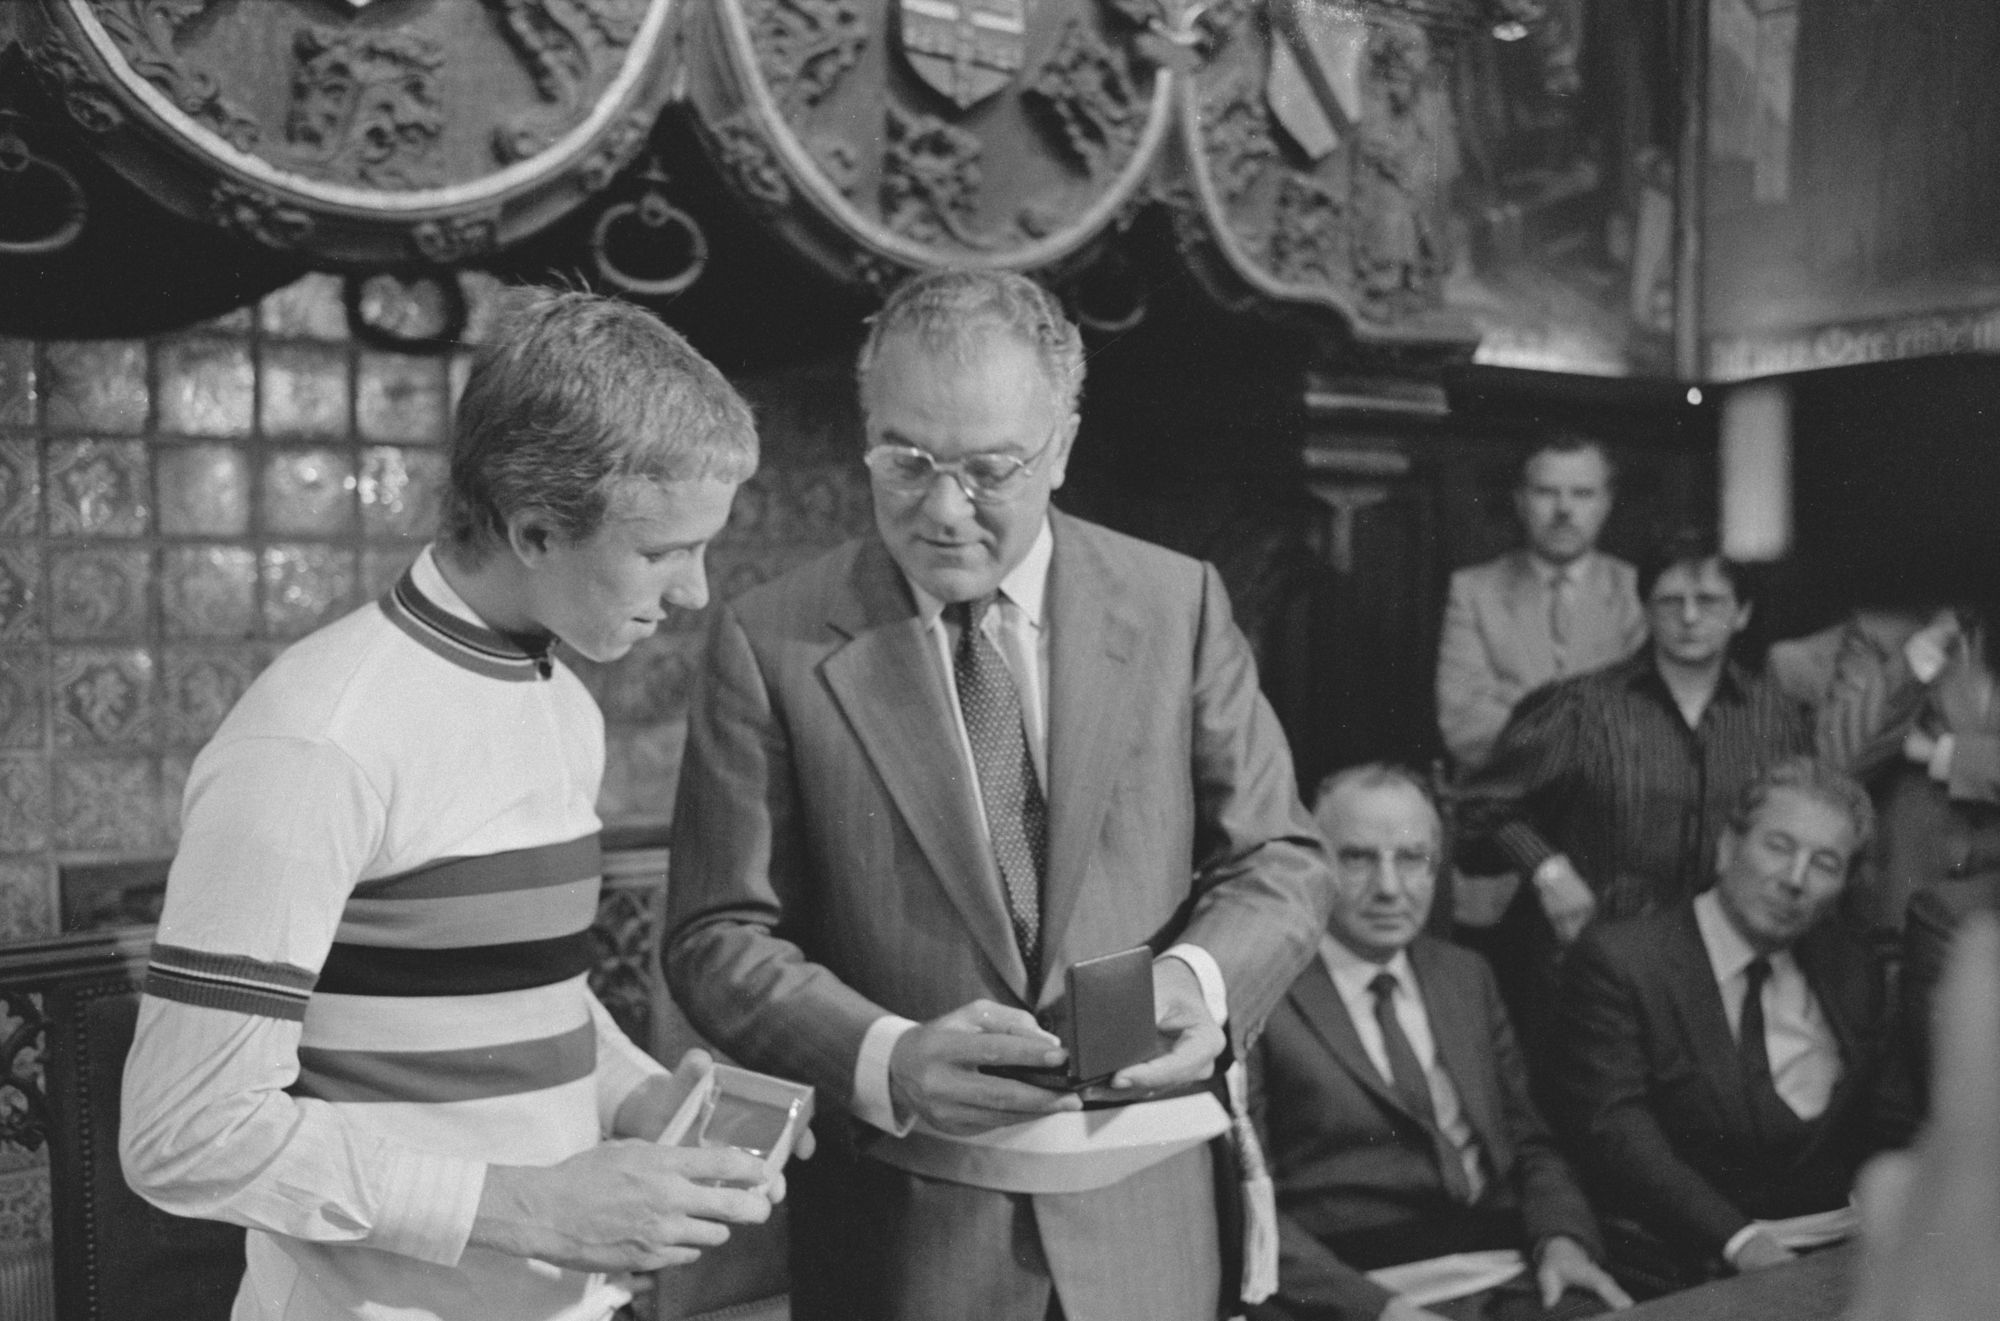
{"x":1016,"y":627}
{"x":1804,"y":1054}
{"x":1351,"y":977}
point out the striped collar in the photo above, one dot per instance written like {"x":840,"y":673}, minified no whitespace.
{"x":423,"y":605}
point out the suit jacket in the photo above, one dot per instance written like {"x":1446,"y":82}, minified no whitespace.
{"x":1495,"y":646}
{"x":1356,"y":1181}
{"x":1647,"y":1085}
{"x":830,"y":866}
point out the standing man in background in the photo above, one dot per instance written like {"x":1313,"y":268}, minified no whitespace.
{"x":929,"y":772}
{"x":1556,"y":607}
{"x":367,"y":1033}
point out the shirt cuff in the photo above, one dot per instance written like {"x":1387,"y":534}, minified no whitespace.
{"x":871,"y":1075}
{"x":1738,"y":1239}
{"x":428,"y":1205}
{"x":1209,"y":974}
{"x":1940,"y":764}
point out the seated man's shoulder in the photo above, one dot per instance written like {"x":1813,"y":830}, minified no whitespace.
{"x":1635,"y":942}
{"x":1489,"y":575}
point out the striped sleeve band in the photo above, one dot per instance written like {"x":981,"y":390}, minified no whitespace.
{"x":229,"y":982}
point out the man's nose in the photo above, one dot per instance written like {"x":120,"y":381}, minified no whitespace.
{"x":949,"y":499}
{"x":1794,"y":875}
{"x":688,"y":588}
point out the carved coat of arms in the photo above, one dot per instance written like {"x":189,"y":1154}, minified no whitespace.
{"x":965,"y":49}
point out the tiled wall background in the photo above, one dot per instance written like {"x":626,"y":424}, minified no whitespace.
{"x":173,"y":511}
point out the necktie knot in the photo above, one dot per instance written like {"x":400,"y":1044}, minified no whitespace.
{"x":1384,"y":987}
{"x":970,"y":615}
{"x":1756,"y":973}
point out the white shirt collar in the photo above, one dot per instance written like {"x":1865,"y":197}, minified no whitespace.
{"x":1547,"y":573}
{"x":1026,"y":584}
{"x":430,"y":580}
{"x":1351,"y":973}
{"x":1728,"y":953}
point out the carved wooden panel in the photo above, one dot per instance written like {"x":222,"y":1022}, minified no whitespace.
{"x":1314,"y":156}
{"x":879,"y":136}
{"x":376,"y":131}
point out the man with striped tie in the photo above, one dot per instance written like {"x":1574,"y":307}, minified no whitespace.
{"x":1415,"y":1178}
{"x":929,"y":772}
{"x":367,"y":1034}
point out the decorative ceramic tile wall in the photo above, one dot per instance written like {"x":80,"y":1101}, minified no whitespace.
{"x":174,"y":511}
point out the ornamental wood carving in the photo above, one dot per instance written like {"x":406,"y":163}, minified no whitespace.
{"x":1314,"y":157}
{"x":373,"y":132}
{"x":883,"y":136}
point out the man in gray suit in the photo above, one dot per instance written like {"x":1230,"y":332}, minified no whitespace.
{"x":1556,"y":607}
{"x":929,"y":772}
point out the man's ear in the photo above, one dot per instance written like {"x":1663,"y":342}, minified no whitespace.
{"x":1059,"y":461}
{"x":531,"y":535}
{"x":1742,"y":620}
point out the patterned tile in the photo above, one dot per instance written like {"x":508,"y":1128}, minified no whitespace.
{"x":236,"y":321}
{"x":416,"y":309}
{"x":400,"y":397}
{"x":204,"y":490}
{"x":308,"y":308}
{"x":484,"y":295}
{"x":198,"y":687}
{"x":21,"y":594}
{"x":174,"y":768}
{"x":96,"y":385}
{"x":208,"y":591}
{"x":309,"y":493}
{"x":103,"y":698}
{"x":24,"y":804}
{"x":400,"y":490}
{"x":27,"y":910}
{"x":206,"y":387}
{"x":97,"y":488}
{"x":24,"y":689}
{"x":305,"y":586}
{"x":304,"y":390}
{"x":106,"y":803}
{"x":99,"y":593}
{"x":18,"y":387}
{"x":381,"y":566}
{"x":20,"y":489}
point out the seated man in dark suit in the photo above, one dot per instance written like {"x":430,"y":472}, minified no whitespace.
{"x":1394,"y":1106}
{"x":1724,"y":1065}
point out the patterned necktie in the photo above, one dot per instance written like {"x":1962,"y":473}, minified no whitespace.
{"x":1016,"y":814}
{"x":1562,"y":604}
{"x":1406,"y":1078}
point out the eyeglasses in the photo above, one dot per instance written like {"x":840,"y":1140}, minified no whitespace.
{"x":987,"y":478}
{"x":1366,"y":865}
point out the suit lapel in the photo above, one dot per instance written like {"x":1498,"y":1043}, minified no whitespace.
{"x":1698,"y":1005}
{"x":1092,"y":637}
{"x":1319,"y":1003}
{"x":888,"y":687}
{"x":1528,"y":606}
{"x":1455,"y":1021}
{"x":1843,"y":1003}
